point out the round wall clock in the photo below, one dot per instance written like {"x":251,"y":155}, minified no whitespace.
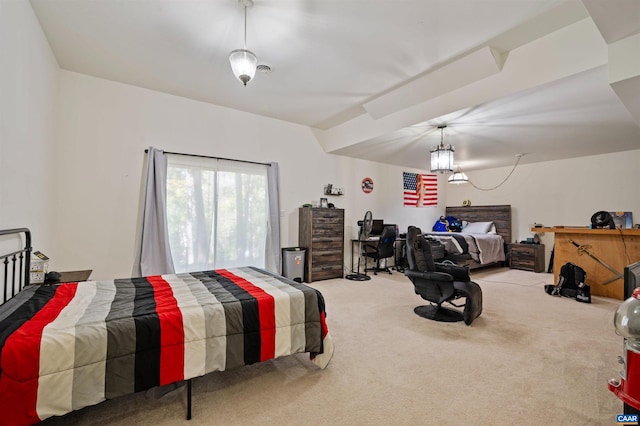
{"x":367,"y":185}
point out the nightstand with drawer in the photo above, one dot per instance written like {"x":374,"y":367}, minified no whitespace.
{"x":529,"y":257}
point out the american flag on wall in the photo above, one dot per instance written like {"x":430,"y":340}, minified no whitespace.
{"x":420,"y":189}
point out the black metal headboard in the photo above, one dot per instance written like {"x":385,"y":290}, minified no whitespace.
{"x":15,"y":267}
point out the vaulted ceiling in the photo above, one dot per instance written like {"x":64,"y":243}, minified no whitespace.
{"x":550,"y":79}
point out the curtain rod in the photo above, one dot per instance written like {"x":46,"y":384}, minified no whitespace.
{"x":213,"y":158}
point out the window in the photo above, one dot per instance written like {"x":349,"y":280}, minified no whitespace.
{"x":217,"y":213}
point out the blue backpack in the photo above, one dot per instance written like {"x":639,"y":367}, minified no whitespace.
{"x":455,"y":225}
{"x":441,"y":225}
{"x":447,"y":224}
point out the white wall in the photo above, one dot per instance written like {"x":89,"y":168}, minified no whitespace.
{"x":72,"y":150}
{"x":104,"y":127}
{"x":78,"y":143}
{"x":28,"y":72}
{"x":562,"y":192}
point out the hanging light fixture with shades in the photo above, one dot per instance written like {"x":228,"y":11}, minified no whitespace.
{"x":458,"y":177}
{"x":243,"y":61}
{"x":442,"y":155}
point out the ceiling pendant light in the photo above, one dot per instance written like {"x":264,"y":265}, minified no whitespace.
{"x":243,"y":61}
{"x":458,"y":177}
{"x":442,"y":155}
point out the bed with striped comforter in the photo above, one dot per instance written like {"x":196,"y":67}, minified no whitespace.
{"x":68,"y":346}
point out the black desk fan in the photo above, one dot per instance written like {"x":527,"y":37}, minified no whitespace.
{"x":366,"y":225}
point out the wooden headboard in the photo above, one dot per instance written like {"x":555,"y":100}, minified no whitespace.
{"x":500,"y":215}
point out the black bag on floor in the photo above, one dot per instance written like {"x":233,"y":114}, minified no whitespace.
{"x":571,"y":283}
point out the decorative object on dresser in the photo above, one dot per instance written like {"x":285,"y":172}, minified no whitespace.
{"x":529,"y":257}
{"x":321,"y":232}
{"x":329,"y":189}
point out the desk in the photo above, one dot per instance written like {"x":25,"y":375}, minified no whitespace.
{"x":355,"y":246}
{"x":398,"y":245}
{"x":615,"y":247}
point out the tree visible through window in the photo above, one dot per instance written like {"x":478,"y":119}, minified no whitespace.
{"x":217,"y":213}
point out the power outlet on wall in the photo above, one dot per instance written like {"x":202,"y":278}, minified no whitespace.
{"x":39,"y":267}
{"x":37,"y":277}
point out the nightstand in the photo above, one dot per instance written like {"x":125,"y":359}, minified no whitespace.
{"x":529,"y":257}
{"x":75,"y":276}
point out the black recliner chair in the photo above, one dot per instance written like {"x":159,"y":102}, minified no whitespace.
{"x":440,"y":283}
{"x":384,"y":249}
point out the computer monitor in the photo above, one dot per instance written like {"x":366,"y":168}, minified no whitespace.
{"x":631,"y":279}
{"x":378,"y":225}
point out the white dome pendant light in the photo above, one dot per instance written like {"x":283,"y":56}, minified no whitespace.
{"x":243,"y":61}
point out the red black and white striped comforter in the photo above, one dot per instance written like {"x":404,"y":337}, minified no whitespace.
{"x":68,"y":346}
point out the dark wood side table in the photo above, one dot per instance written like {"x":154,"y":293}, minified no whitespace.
{"x":529,"y":257}
{"x":75,"y":276}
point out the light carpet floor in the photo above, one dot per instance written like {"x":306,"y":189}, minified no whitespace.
{"x":530,"y":359}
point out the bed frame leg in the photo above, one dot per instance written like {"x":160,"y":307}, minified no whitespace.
{"x":189,"y":399}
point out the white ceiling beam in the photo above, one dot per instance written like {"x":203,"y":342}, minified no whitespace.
{"x":624,"y":73}
{"x":568,"y":51}
{"x":465,"y":70}
{"x":615,"y":19}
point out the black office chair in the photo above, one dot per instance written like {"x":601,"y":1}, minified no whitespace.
{"x":440,"y":283}
{"x":383,"y":250}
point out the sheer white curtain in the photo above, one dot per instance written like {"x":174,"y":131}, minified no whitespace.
{"x":218,"y":214}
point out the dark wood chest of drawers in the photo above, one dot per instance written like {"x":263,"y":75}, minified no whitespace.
{"x":529,"y":257}
{"x":321,"y":233}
